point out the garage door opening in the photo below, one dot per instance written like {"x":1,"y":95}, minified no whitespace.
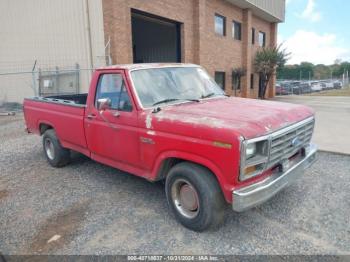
{"x":155,"y":39}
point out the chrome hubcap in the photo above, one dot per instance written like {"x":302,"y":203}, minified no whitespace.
{"x":185,"y":198}
{"x":49,"y":148}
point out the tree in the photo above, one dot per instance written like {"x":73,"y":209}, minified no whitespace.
{"x":290,"y":72}
{"x":321,"y":71}
{"x":337,"y":61}
{"x":341,"y":69}
{"x":267,"y":60}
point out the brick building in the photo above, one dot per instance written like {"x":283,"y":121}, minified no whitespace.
{"x":220,"y":35}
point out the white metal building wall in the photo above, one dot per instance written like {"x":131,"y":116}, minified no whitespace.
{"x":55,"y":33}
{"x":269,"y":10}
{"x":274,"y":7}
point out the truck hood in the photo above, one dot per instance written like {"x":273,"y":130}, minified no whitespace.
{"x":248,"y":117}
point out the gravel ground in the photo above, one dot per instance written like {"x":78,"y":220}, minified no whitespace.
{"x":99,"y":210}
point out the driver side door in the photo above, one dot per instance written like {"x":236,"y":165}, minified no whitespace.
{"x":112,"y":134}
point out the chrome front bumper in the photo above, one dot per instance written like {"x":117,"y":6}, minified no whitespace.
{"x":255,"y":194}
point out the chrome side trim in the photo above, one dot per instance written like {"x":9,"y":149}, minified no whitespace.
{"x":255,"y":194}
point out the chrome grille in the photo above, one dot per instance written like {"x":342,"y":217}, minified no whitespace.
{"x":285,"y":144}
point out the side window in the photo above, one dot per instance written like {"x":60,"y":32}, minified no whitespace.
{"x":220,"y":25}
{"x":220,"y":79}
{"x":237,"y":30}
{"x":112,"y":86}
{"x":262,"y":39}
{"x":251,"y":81}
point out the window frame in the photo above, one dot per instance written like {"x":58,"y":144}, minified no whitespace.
{"x":264,"y":39}
{"x":124,"y":86}
{"x":252,"y":81}
{"x":224,"y":79}
{"x":224,"y":24}
{"x":237,"y":82}
{"x":234,"y":24}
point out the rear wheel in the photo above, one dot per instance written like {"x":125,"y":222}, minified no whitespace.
{"x":55,"y":154}
{"x":194,"y":196}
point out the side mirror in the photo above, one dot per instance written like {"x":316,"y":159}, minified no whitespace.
{"x":104,"y":104}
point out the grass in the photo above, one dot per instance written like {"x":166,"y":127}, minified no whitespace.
{"x":335,"y":92}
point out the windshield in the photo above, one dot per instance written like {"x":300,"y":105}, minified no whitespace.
{"x":171,"y":84}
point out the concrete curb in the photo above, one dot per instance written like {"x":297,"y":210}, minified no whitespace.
{"x":334,"y":152}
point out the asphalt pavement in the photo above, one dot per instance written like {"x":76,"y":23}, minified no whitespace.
{"x":332,"y":129}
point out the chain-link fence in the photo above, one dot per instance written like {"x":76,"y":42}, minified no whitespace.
{"x":58,"y":81}
{"x":17,"y":85}
{"x":294,"y":87}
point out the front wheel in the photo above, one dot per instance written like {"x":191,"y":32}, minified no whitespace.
{"x":55,"y":154}
{"x":194,"y":196}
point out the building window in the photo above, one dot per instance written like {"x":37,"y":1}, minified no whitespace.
{"x":253,"y":36}
{"x":236,"y":30}
{"x":236,"y":85}
{"x":262,"y":39}
{"x":252,"y":81}
{"x":220,"y":79}
{"x":220,"y":25}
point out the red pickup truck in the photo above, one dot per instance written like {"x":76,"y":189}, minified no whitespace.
{"x":172,"y":122}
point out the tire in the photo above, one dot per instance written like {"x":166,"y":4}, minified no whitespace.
{"x":195,"y":197}
{"x":56,"y":155}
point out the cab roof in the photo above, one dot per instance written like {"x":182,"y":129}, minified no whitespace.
{"x":145,"y":66}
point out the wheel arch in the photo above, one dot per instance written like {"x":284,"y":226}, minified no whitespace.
{"x":168,"y":160}
{"x":45,"y":125}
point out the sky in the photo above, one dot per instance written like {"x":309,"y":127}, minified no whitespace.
{"x":316,"y":31}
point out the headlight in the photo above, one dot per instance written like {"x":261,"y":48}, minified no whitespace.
{"x":254,"y":157}
{"x":250,"y":150}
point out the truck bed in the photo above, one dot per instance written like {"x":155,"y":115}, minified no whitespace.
{"x":64,"y":113}
{"x":72,"y":100}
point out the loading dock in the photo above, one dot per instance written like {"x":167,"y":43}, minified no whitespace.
{"x":155,"y":39}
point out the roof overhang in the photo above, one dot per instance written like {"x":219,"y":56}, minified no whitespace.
{"x":270,"y":10}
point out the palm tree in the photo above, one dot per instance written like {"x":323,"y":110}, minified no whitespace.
{"x":267,"y":61}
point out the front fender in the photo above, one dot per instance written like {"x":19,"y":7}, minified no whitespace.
{"x":209,"y":164}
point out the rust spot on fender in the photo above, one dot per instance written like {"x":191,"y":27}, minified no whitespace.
{"x":194,"y":120}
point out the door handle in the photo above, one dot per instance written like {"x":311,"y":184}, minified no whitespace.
{"x":91,"y":116}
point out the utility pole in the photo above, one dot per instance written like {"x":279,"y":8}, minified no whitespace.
{"x":34,"y":79}
{"x":88,"y":33}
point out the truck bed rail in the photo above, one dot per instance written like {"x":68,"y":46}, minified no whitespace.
{"x":76,"y":100}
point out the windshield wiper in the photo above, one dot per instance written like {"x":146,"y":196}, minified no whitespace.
{"x":165,"y":101}
{"x":211,"y":95}
{"x":208,"y":95}
{"x":174,"y":99}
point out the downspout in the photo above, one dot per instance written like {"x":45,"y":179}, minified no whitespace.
{"x":88,"y":32}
